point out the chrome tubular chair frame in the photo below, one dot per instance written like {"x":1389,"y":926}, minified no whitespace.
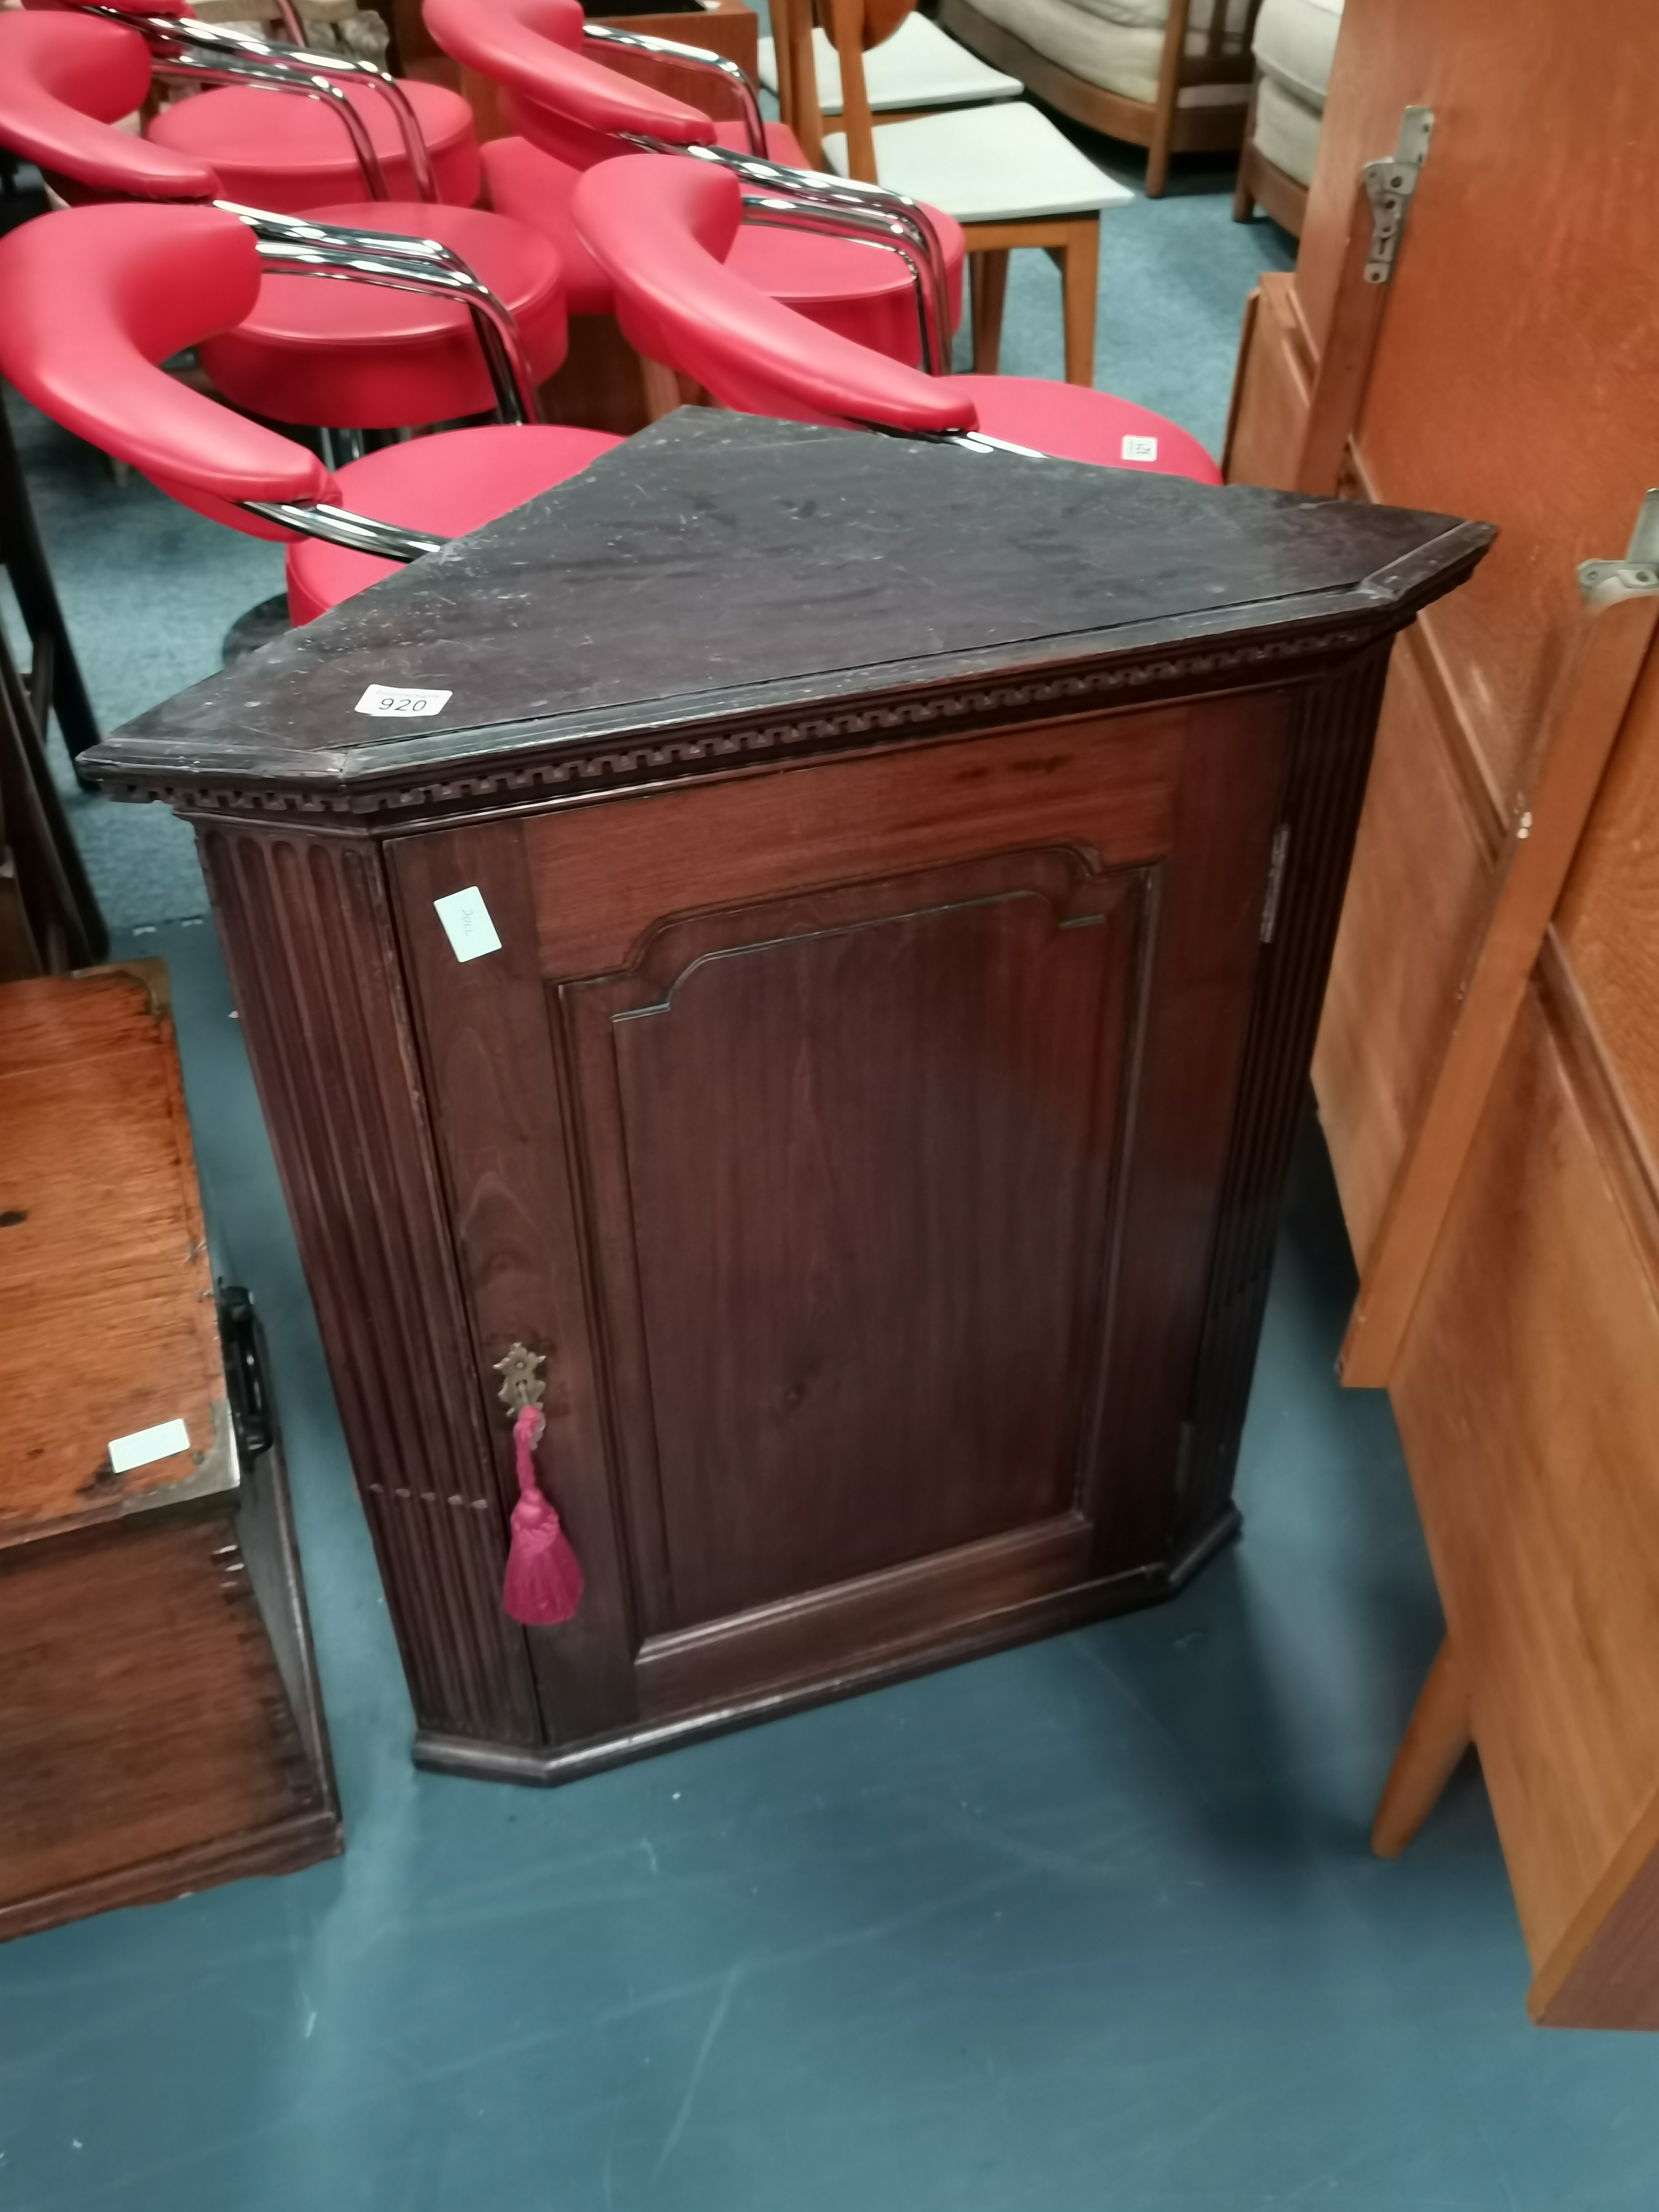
{"x":757,"y":169}
{"x":874,"y":212}
{"x":187,"y":51}
{"x":403,"y":264}
{"x":867,"y":226}
{"x":693,"y":57}
{"x":338,"y":525}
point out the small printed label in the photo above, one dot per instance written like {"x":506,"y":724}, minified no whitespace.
{"x":467,"y":924}
{"x":1140,"y":449}
{"x":144,"y":1445}
{"x":399,"y":699}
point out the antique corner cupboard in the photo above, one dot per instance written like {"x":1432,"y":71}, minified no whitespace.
{"x":915,"y":875}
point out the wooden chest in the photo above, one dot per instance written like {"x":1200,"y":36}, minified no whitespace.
{"x":902,"y":883}
{"x":159,"y":1727}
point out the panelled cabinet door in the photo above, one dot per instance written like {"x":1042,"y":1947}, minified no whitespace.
{"x":848,"y":1138}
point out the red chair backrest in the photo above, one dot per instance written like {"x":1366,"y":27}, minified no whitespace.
{"x":557,"y":95}
{"x":65,"y":80}
{"x":95,"y":299}
{"x":661,"y":229}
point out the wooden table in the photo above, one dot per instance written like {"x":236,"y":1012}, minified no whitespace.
{"x":900,"y":882}
{"x":160,"y":1726}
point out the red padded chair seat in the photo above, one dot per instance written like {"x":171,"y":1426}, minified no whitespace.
{"x":280,"y":151}
{"x":867,"y":296}
{"x":358,"y":356}
{"x":447,"y":484}
{"x":536,"y":189}
{"x":666,"y":229}
{"x":1069,"y":423}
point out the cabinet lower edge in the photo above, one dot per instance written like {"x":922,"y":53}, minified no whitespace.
{"x":284,"y":1847}
{"x":1019,"y":1624}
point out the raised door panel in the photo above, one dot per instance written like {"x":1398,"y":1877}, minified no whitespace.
{"x":849,"y":1155}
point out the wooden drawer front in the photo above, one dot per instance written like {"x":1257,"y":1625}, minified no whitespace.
{"x":850,"y":1138}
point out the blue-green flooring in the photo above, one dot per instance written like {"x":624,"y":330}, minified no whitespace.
{"x":1088,"y":1925}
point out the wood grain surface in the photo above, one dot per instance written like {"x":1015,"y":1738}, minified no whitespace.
{"x":99,"y":1216}
{"x":1418,"y":898}
{"x":160,"y":1731}
{"x":789,"y":1123}
{"x":1528,"y":1423}
{"x":1545,"y":1400}
{"x":901,"y":917}
{"x":1606,"y":656}
{"x":1523,"y":232}
{"x":1609,"y":918}
{"x":308,"y":940}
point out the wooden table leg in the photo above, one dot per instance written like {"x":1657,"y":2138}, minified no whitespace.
{"x":989,"y":279}
{"x":1436,"y":1738}
{"x":1079,"y":279}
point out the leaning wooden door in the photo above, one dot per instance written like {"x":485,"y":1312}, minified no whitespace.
{"x":848,"y":1137}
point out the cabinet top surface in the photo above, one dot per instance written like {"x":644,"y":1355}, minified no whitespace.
{"x":717,"y":567}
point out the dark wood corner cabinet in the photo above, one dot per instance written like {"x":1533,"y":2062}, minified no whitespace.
{"x":914,"y":874}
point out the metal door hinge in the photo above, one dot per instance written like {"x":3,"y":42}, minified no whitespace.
{"x":1275,"y":881}
{"x":1389,"y":186}
{"x":1603,"y":581}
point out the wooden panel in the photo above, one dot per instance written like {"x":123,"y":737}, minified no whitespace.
{"x":1609,"y":918}
{"x":789,"y":1105}
{"x":164,"y":1732}
{"x":817,"y":1084}
{"x":864,"y":1145}
{"x":600,"y":876}
{"x":871,"y":1622}
{"x":1549,"y":434}
{"x":308,"y":940}
{"x":1318,"y":809}
{"x":1602,"y":1972}
{"x":1528,"y":1398}
{"x":1272,"y":383}
{"x":95,"y":1055}
{"x":502,"y":1129}
{"x":1417,"y":901}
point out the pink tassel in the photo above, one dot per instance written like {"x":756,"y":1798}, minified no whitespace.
{"x":544,"y":1581}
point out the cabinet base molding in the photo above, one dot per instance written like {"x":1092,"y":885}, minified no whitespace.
{"x":1019,"y":1624}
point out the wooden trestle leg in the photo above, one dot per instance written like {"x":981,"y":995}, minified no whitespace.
{"x":1436,"y":1736}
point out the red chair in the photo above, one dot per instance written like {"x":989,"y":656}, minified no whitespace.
{"x":573,"y":112}
{"x":356,"y":132}
{"x":97,"y":297}
{"x":406,"y":352}
{"x":665,"y":232}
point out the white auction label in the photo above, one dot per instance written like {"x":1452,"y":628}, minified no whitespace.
{"x":467,"y":923}
{"x":144,"y":1445}
{"x":1140,"y":449}
{"x":400,"y":699}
